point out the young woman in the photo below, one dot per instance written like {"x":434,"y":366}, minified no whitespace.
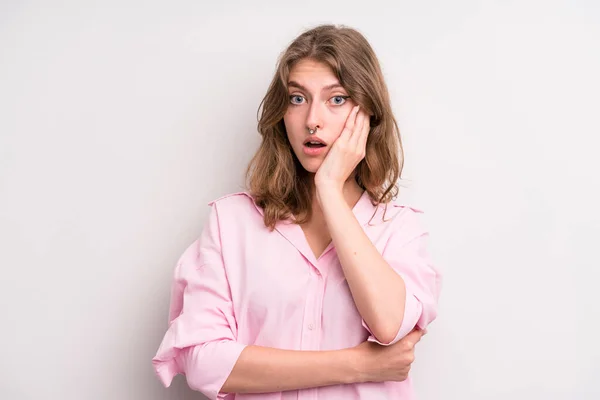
{"x":315,"y":283}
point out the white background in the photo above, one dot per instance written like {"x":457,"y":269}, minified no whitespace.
{"x":120,"y":120}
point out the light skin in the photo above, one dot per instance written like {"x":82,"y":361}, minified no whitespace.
{"x":317,"y":100}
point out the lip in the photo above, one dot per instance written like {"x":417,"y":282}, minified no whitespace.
{"x":314,"y":139}
{"x":313,"y":151}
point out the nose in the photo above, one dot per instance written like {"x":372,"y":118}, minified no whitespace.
{"x":314,"y":119}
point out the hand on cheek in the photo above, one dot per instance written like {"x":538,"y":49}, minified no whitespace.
{"x":346,"y":152}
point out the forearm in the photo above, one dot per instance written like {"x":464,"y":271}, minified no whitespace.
{"x":264,"y":369}
{"x":378,"y":291}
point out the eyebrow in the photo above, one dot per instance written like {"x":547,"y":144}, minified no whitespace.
{"x":328,"y":87}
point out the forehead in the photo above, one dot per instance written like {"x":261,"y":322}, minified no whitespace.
{"x":312,"y":74}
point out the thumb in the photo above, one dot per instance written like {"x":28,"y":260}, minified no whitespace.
{"x":422,"y":331}
{"x":414,"y":336}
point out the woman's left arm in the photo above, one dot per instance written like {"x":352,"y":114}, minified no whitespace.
{"x":379,"y":292}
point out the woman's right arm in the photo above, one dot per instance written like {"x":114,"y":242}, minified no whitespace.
{"x":263,"y":369}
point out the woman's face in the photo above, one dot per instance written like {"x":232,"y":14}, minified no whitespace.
{"x":316,"y":99}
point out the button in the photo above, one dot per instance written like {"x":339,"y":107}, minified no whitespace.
{"x":311,"y":326}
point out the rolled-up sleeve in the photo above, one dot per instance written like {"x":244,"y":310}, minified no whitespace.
{"x":407,"y":253}
{"x":200,"y":341}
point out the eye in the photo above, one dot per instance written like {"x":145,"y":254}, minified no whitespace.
{"x":296,"y":99}
{"x":339,"y":100}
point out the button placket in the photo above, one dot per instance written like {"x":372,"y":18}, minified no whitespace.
{"x":309,"y":307}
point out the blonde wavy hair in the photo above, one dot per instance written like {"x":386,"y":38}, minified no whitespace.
{"x":275,"y":177}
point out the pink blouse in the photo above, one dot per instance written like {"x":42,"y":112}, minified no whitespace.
{"x":240,"y":284}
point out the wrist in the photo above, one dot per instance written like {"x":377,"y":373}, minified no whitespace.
{"x":325,"y":183}
{"x":327,"y":190}
{"x":357,"y":363}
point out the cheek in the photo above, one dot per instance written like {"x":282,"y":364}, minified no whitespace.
{"x":293,"y":124}
{"x":288,"y":123}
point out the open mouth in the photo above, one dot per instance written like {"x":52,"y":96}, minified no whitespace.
{"x":314,"y":144}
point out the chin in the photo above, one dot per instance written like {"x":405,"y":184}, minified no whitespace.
{"x":311,"y":166}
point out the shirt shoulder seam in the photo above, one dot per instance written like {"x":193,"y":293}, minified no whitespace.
{"x":242,"y":193}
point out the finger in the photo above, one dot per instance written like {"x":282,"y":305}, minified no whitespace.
{"x":362,"y":143}
{"x":358,"y":128}
{"x":350,"y":122}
